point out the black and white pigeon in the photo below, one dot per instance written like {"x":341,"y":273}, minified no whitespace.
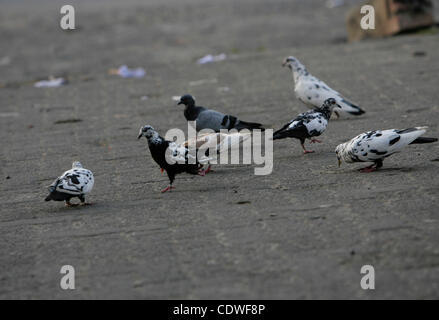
{"x":171,"y":157}
{"x":308,"y":125}
{"x":211,"y":119}
{"x":76,"y":182}
{"x":313,"y":92}
{"x":375,"y":146}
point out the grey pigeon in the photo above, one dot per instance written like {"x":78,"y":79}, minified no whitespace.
{"x":211,"y":119}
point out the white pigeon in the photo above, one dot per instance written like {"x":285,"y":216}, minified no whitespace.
{"x":218,"y":141}
{"x":313,"y":92}
{"x":375,"y":146}
{"x":76,"y":182}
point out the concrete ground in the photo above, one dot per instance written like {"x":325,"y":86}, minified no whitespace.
{"x":303,"y":232}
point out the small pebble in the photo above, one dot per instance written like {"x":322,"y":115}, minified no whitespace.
{"x":419,"y":54}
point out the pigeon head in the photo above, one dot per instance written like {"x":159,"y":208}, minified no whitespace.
{"x":330,"y":104}
{"x":327,"y":107}
{"x":341,"y":153}
{"x":146,"y":131}
{"x":187,"y":100}
{"x":77,"y":164}
{"x":291,"y":62}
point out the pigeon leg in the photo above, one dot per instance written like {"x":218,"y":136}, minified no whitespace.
{"x":378,"y":164}
{"x":162,"y":170}
{"x":201,"y":171}
{"x":208,"y":169}
{"x":168,"y":188}
{"x":69,"y":204}
{"x":83,"y":203}
{"x":315,"y":141}
{"x":304,"y":149}
{"x":369,"y":169}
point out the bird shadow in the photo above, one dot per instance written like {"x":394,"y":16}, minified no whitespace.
{"x":343,"y":119}
{"x":390,"y":170}
{"x":75,"y":208}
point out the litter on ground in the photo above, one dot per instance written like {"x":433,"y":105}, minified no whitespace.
{"x":211,"y":58}
{"x":126,"y":72}
{"x":51,"y":83}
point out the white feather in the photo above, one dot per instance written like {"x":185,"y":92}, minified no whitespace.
{"x":372,"y":146}
{"x":220,"y":142}
{"x":66,"y":182}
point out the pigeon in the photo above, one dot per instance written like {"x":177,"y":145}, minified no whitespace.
{"x":375,"y":146}
{"x":221,"y":142}
{"x":211,"y":119}
{"x":76,"y":182}
{"x":313,"y":92}
{"x":308,"y":125}
{"x":170,"y":156}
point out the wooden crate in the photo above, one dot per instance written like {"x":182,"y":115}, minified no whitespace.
{"x":391,"y":17}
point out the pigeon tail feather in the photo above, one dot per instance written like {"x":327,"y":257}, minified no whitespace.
{"x":280,"y":134}
{"x":248,"y":125}
{"x":351,"y":108}
{"x":421,"y":140}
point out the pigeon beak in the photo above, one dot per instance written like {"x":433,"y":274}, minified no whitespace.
{"x":139,"y":136}
{"x":180,"y":102}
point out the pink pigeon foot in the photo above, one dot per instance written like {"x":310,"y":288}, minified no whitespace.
{"x":168,"y":188}
{"x":368,"y":169}
{"x":209,"y":169}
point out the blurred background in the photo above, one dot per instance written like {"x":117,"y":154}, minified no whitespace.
{"x":154,"y":32}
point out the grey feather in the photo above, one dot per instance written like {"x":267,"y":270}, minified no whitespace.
{"x":210,"y":119}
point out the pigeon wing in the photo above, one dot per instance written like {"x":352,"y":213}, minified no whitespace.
{"x":376,"y":145}
{"x":306,"y":125}
{"x":177,"y":153}
{"x":75,"y":182}
{"x":216,"y":141}
{"x":315,"y":92}
{"x":210,"y":119}
{"x":232,"y":140}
